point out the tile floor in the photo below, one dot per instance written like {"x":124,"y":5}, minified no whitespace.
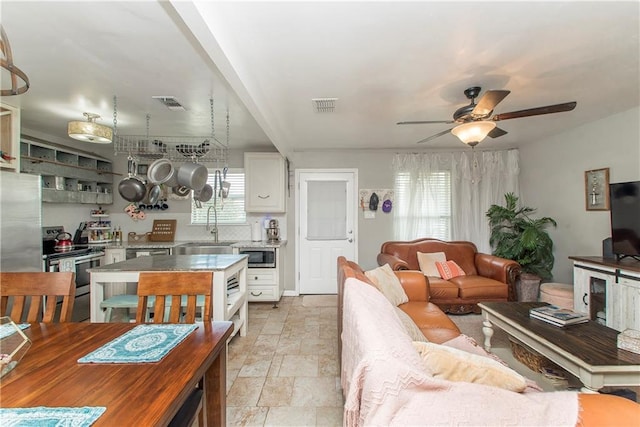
{"x":285,"y":371}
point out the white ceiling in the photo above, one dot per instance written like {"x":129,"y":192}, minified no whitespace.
{"x":384,"y":61}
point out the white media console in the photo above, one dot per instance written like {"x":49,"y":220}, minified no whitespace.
{"x":608,"y":290}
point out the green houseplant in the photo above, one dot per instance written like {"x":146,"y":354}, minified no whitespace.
{"x":517,"y":236}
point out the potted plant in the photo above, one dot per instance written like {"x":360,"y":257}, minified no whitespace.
{"x":517,"y":236}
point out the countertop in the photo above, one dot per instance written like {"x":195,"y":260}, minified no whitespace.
{"x":173,"y":263}
{"x":164,"y":245}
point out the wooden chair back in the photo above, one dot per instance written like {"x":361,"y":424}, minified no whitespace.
{"x":31,"y":287}
{"x":174,"y":285}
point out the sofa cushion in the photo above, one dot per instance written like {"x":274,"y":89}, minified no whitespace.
{"x":412,"y":329}
{"x":434,"y":324}
{"x":441,"y":289}
{"x":451,"y":364}
{"x":449,"y":269}
{"x":478,"y":287}
{"x":388,"y":283}
{"x":427,"y":262}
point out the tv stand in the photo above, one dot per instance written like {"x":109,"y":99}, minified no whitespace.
{"x":608,"y":290}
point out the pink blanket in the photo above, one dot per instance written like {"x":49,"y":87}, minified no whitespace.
{"x":384,"y":381}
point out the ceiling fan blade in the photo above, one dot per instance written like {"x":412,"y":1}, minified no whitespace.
{"x":421,"y":122}
{"x":488,"y":102}
{"x":437,"y":135}
{"x":496,"y":132}
{"x":557,"y":108}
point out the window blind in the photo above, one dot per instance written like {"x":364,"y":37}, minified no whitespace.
{"x":230,"y":210}
{"x":423,"y":205}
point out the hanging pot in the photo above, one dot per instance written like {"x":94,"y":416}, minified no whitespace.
{"x":192,"y":175}
{"x":132,"y":189}
{"x":160,"y":171}
{"x":203,"y":195}
{"x":154,"y":194}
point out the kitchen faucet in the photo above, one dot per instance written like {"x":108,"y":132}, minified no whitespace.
{"x":214,"y":230}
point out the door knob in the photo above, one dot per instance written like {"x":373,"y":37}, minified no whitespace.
{"x":350,"y":240}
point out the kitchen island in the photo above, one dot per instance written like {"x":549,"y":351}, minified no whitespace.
{"x":232,"y":308}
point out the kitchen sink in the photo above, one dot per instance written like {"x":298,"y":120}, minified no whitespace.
{"x":203,"y":248}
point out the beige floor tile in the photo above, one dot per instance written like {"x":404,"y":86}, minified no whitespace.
{"x":288,"y":345}
{"x":276,"y":363}
{"x":258,"y":368}
{"x":290,"y":416}
{"x":329,"y":365}
{"x":299,"y":365}
{"x":318,"y":346}
{"x":232,"y":374}
{"x":276,"y":391}
{"x":331,"y":417}
{"x":245,"y":391}
{"x":316,"y":391}
{"x":272,"y":328}
{"x":246,"y":415}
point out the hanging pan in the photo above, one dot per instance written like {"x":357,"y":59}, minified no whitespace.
{"x":132,"y":188}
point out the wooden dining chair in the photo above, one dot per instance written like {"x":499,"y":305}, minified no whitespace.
{"x":29,"y":288}
{"x":177,"y":292}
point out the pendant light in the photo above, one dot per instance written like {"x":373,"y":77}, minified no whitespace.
{"x":15,"y":73}
{"x":473,"y":133}
{"x":90,"y":131}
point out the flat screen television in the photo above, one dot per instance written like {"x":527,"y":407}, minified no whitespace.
{"x":625,"y":219}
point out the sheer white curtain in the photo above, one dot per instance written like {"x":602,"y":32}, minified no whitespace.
{"x":477,"y":179}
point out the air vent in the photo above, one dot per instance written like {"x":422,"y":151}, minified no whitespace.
{"x":170,"y":102}
{"x":324,"y":105}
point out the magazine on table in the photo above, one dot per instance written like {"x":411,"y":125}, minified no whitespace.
{"x":558,"y":316}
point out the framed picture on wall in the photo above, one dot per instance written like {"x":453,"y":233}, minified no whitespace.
{"x":596,"y":189}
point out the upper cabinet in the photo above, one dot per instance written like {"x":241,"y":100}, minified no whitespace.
{"x":9,"y":137}
{"x":264,"y":182}
{"x":68,"y":175}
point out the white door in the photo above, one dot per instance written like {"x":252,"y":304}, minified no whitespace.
{"x":326,"y":212}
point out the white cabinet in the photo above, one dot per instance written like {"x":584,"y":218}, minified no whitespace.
{"x":607,"y":291}
{"x":10,"y":137}
{"x":264,"y":182}
{"x":111,"y":256}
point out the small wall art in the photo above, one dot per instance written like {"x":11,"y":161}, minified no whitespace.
{"x":596,"y":188}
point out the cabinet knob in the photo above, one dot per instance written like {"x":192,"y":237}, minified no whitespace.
{"x":255,"y":278}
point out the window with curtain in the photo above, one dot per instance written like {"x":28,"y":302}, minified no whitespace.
{"x":446,"y":195}
{"x":230,"y":210}
{"x":423,"y":205}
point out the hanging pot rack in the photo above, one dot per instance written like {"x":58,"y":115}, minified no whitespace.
{"x":200,"y":149}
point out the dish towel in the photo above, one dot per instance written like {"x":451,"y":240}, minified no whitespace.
{"x":142,"y":344}
{"x":44,"y":416}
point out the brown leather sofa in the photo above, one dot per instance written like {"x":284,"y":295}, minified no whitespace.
{"x":488,"y":278}
{"x":595,"y":410}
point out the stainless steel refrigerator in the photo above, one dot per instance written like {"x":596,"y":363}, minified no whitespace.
{"x":20,"y":222}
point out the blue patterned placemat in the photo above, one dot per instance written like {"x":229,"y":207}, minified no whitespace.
{"x":43,"y":416}
{"x":144,"y":343}
{"x":8,"y":329}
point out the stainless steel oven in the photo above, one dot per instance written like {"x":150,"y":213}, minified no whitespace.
{"x":78,"y":259}
{"x":79,"y":264}
{"x":260,"y":257}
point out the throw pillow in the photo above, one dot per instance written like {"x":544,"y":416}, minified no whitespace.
{"x":388,"y":283}
{"x":449,"y":269}
{"x":410,"y":326}
{"x":456,"y":365}
{"x":427,"y":262}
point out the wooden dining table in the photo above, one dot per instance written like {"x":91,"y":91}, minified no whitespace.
{"x":144,"y":394}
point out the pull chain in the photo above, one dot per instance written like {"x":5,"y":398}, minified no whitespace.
{"x":115,"y":116}
{"x":228,"y":127}
{"x":213,"y":133}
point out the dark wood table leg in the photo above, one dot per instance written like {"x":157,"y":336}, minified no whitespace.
{"x":215,"y":391}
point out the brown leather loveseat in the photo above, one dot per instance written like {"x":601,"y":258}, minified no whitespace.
{"x":487,"y":277}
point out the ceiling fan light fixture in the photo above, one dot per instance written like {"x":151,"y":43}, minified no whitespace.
{"x":473,"y":133}
{"x":90,"y":131}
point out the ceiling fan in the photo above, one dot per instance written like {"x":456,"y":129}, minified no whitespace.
{"x":475,"y":122}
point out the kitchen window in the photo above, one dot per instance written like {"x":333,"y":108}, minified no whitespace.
{"x":423,"y":205}
{"x":230,"y":210}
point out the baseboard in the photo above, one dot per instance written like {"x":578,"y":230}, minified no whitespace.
{"x":290,"y":294}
